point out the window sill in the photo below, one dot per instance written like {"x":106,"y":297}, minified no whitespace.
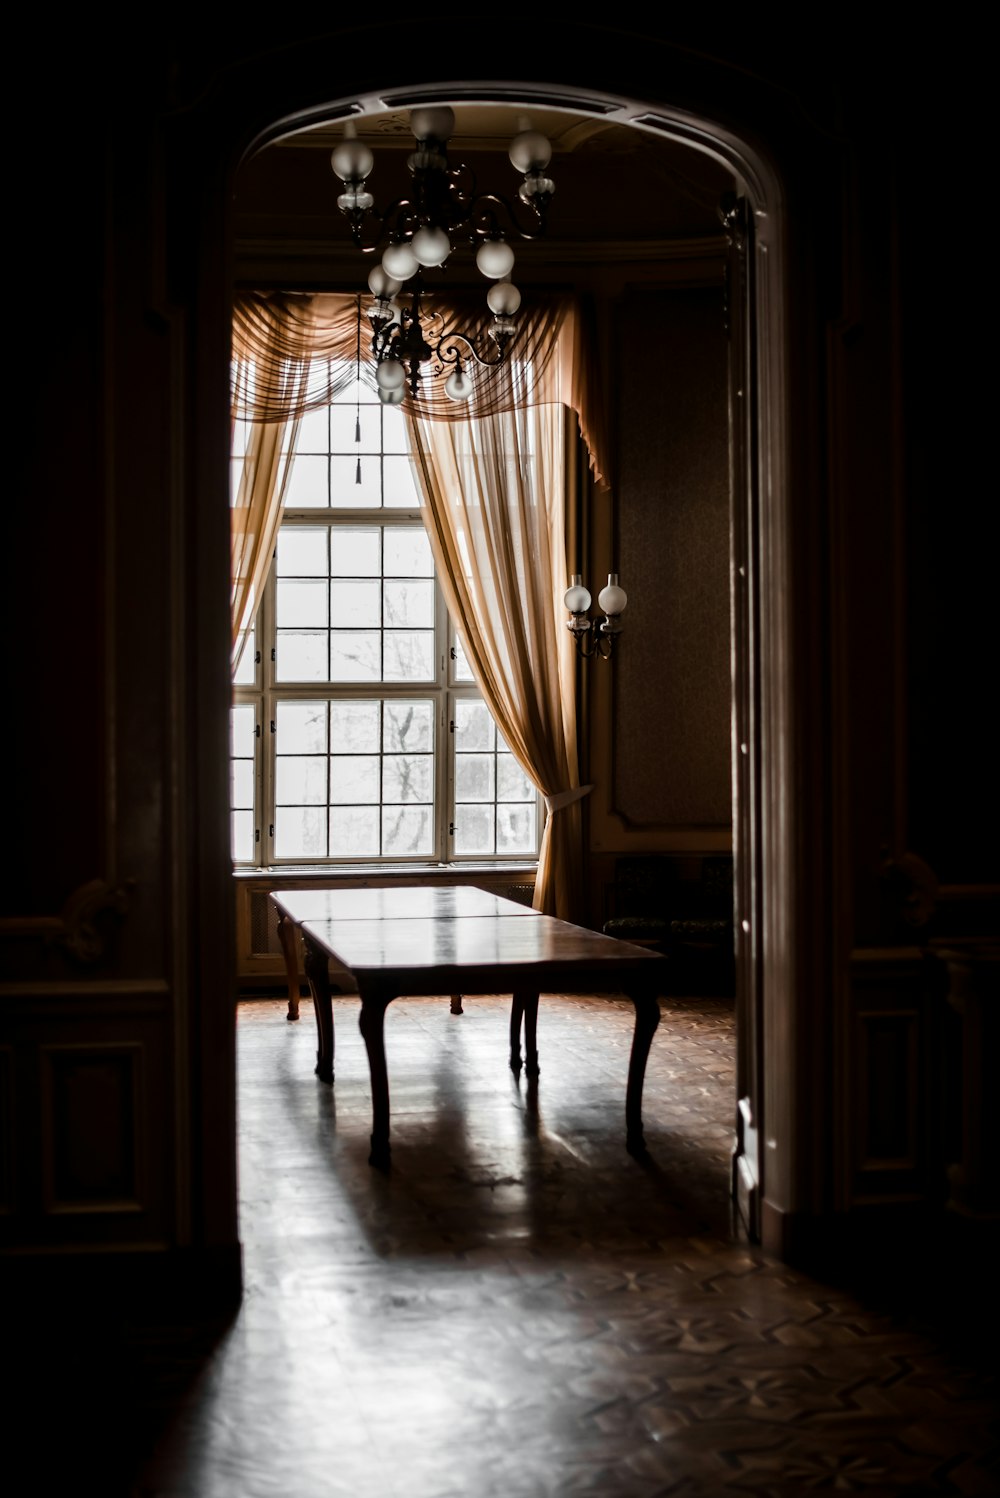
{"x":413,"y":872}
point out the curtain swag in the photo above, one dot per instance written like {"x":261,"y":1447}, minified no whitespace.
{"x":493,"y":478}
{"x":293,"y":352}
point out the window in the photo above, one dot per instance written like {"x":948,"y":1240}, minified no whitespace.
{"x":357,"y":731}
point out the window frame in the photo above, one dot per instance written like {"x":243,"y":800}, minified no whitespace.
{"x":445,"y":690}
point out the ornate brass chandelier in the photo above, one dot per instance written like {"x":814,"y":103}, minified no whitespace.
{"x":420,"y":231}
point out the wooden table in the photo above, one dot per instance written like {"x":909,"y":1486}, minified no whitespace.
{"x":461,"y":940}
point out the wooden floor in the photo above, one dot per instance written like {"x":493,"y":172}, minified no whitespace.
{"x":518,"y":1309}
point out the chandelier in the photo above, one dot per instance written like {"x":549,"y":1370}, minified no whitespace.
{"x":420,"y":231}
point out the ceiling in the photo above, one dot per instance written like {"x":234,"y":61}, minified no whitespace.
{"x":620,"y":192}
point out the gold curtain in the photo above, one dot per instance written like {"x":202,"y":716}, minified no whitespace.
{"x":493,"y":476}
{"x":495,"y":505}
{"x":293,"y":352}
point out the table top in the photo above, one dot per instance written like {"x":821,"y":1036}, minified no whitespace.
{"x":474,"y":952}
{"x":395,"y":903}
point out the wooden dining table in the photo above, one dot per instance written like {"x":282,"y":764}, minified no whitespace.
{"x":413,"y":941}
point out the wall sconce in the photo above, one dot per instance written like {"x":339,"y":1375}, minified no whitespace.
{"x":595,"y":636}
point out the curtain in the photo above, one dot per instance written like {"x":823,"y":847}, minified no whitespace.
{"x":493,"y":477}
{"x":495,"y":491}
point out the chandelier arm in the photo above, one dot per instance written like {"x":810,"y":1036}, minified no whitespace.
{"x":488,"y":225}
{"x":395,"y":220}
{"x":448,"y":351}
{"x":475,"y":216}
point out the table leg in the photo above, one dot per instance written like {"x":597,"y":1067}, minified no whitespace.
{"x":287,"y":933}
{"x":647,"y":1017}
{"x":456,"y":1004}
{"x":524,"y":1006}
{"x":317,"y":967}
{"x":516,"y":1016}
{"x":372,"y":1025}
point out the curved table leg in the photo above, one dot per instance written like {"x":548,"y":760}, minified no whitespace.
{"x":317,"y":966}
{"x":524,"y":1007}
{"x":647,"y":1017}
{"x":287,"y":931}
{"x":516,"y":1016}
{"x":372,"y":1025}
{"x":456,"y":1004}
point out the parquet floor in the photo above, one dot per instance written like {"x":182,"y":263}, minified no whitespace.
{"x":518,"y":1309}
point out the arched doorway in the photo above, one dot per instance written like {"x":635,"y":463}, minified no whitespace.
{"x":764,"y":811}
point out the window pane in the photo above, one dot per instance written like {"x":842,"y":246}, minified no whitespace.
{"x":409,"y":726}
{"x":308,"y":484}
{"x":241,"y":731}
{"x":407,"y":777}
{"x":302,"y":605}
{"x":407,"y":831}
{"x":299,"y":832}
{"x":300,"y":728}
{"x":398,"y":485}
{"x":300,"y":780}
{"x":512,"y":783}
{"x":474,"y":777}
{"x":355,"y":605}
{"x":313,"y":432}
{"x":302,"y":551}
{"x":241,"y":784}
{"x":473,"y":829}
{"x":301,"y":656}
{"x":473,"y":726}
{"x":242,"y":838}
{"x":354,"y":727}
{"x":354,"y":832}
{"x":461,"y":670}
{"x":409,"y":604}
{"x":393,"y":431}
{"x":355,"y":552}
{"x":246,"y":672}
{"x":355,"y":655}
{"x":345,"y":491}
{"x":409,"y":655}
{"x":353,"y":779}
{"x":342,"y":426}
{"x":516,"y":829}
{"x":407,"y":552}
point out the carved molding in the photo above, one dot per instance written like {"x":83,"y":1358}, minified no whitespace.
{"x":76,"y":930}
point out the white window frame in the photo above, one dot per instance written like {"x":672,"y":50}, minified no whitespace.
{"x":445,"y":690}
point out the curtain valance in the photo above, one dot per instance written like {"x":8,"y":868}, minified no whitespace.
{"x":293,"y":352}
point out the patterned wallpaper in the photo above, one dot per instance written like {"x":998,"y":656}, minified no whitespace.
{"x":671,"y":737}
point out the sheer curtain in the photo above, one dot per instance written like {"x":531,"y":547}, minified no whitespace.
{"x":290,"y":355}
{"x":495,"y":493}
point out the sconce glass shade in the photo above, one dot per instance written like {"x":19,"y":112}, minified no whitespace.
{"x":612,"y":599}
{"x":577,"y":598}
